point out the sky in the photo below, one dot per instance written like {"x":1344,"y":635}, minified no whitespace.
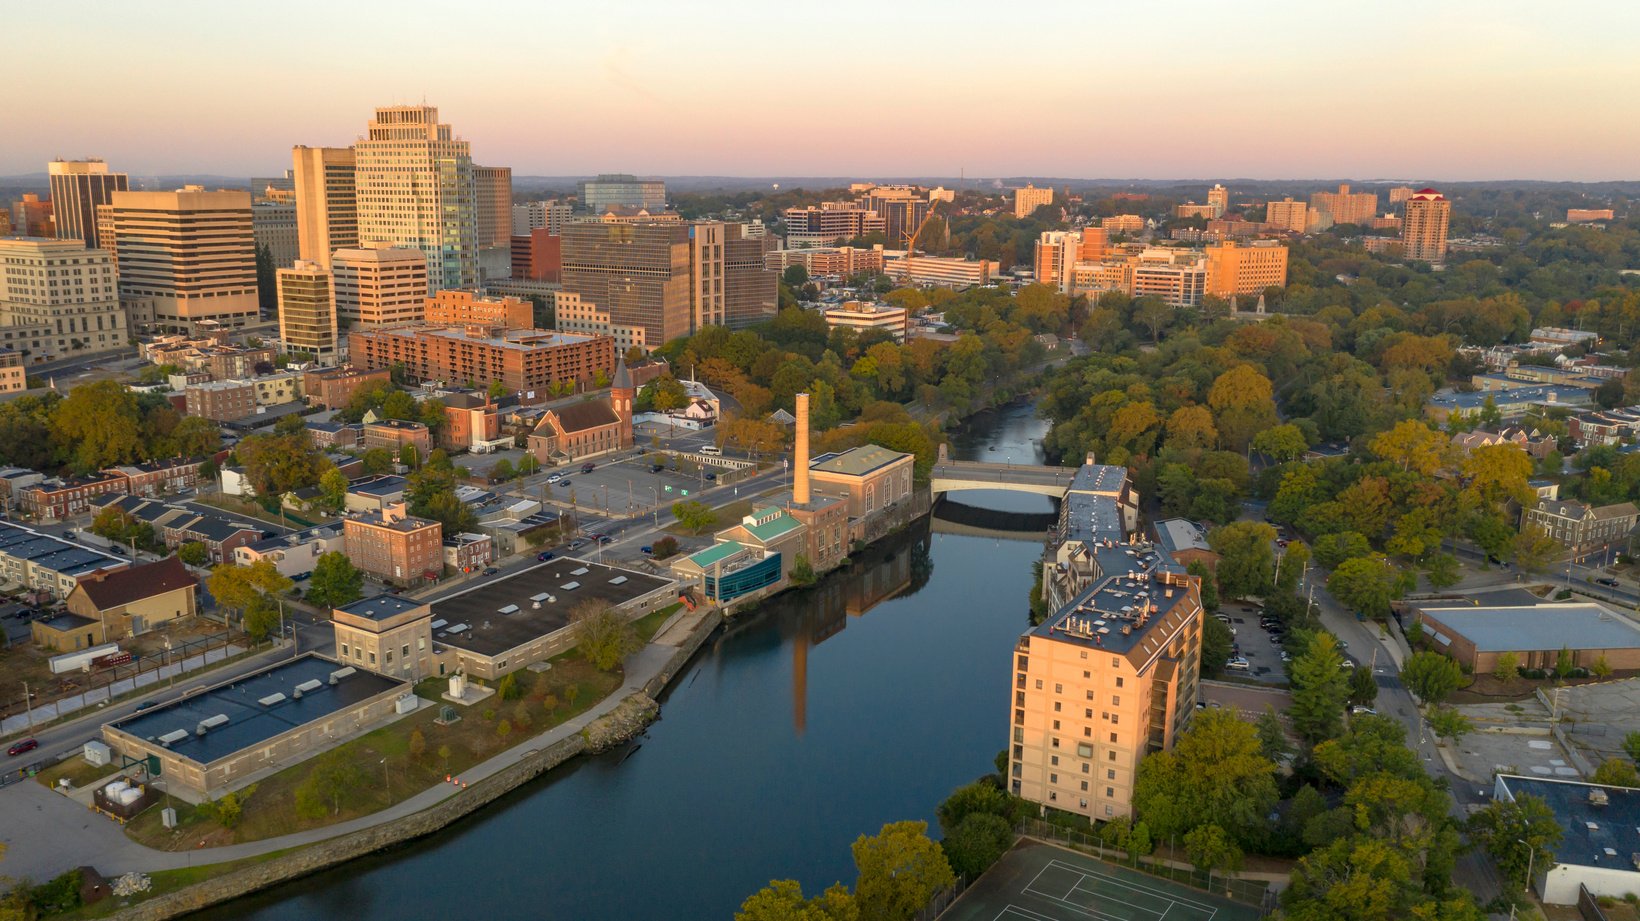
{"x":1432,"y":90}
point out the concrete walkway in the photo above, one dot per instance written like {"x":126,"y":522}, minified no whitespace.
{"x":48,"y":833}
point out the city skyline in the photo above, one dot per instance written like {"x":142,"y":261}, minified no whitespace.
{"x":1465,"y":92}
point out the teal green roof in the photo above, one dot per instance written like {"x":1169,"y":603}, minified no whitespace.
{"x":716,"y":554}
{"x":785,"y":524}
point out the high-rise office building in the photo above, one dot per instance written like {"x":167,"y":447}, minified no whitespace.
{"x":494,"y":190}
{"x":1287,"y":215}
{"x":186,"y":257}
{"x":327,"y":202}
{"x":274,"y":225}
{"x":379,"y":287}
{"x":729,"y":282}
{"x":77,"y":188}
{"x":31,"y":217}
{"x":1344,"y":206}
{"x":58,"y":298}
{"x":307,"y":310}
{"x":1056,"y":252}
{"x":415,"y":188}
{"x":1423,"y":231}
{"x":281,"y":189}
{"x":639,"y":273}
{"x":536,"y":215}
{"x":621,"y":190}
{"x":902,"y":209}
{"x":832,"y":223}
{"x":1241,"y":269}
{"x":1218,"y":198}
{"x":1030,"y":198}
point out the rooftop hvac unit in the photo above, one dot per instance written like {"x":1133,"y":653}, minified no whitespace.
{"x":439,"y":624}
{"x":1598,"y":796}
{"x":306,"y":686}
{"x":341,"y":673}
{"x":509,"y":609}
{"x":271,"y":699}
{"x":570,"y":586}
{"x":618,"y":580}
{"x":173,"y":737}
{"x":211,"y":722}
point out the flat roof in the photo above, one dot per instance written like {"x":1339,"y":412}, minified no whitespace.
{"x":1591,"y":835}
{"x":1099,"y":478}
{"x":1089,"y":517}
{"x":1574,"y":625}
{"x":490,"y":632}
{"x":67,"y":621}
{"x":250,"y":722}
{"x":1177,"y":534}
{"x":856,"y":461}
{"x":380,"y":607}
{"x":1135,"y":602}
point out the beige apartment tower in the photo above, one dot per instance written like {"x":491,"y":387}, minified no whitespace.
{"x":415,"y":188}
{"x":307,"y":310}
{"x":1245,"y":269}
{"x":379,"y":287}
{"x":1423,"y":230}
{"x":1344,"y":206}
{"x":1100,"y":685}
{"x":1218,"y":199}
{"x":1030,"y":198}
{"x":77,"y":188}
{"x":185,"y":258}
{"x":327,"y":202}
{"x":493,"y":186}
{"x":1288,"y":215}
{"x":729,"y":283}
{"x":58,"y":298}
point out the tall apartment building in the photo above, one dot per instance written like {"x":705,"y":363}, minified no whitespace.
{"x":1289,"y":215}
{"x":522,"y":359}
{"x":307,"y":310}
{"x":1056,"y":252}
{"x":1344,"y":206}
{"x":621,"y":190}
{"x":13,"y":379}
{"x":902,"y":209}
{"x":186,"y":257}
{"x":537,"y":256}
{"x":1108,"y":679}
{"x":458,"y":308}
{"x":1122,"y":223}
{"x":379,"y":287}
{"x":535,"y":215}
{"x":77,"y":188}
{"x":1218,"y":198}
{"x":1423,"y":230}
{"x":1030,"y":198}
{"x":392,"y":545}
{"x":831,"y":223}
{"x":327,"y":202}
{"x":1245,"y":269}
{"x":58,"y":297}
{"x":493,"y":185}
{"x":1400,"y":194}
{"x":416,"y":189}
{"x":31,"y":217}
{"x":637,"y":272}
{"x":729,"y":283}
{"x":841,"y":261}
{"x":273,"y":223}
{"x":571,"y":314}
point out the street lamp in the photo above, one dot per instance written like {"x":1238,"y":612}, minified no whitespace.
{"x":385,"y":784}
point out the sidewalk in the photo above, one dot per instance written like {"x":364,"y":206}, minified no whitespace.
{"x":48,"y":833}
{"x":45,"y":713}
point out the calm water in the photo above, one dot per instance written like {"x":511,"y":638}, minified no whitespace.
{"x":821,"y":717}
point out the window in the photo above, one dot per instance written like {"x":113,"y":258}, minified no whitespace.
{"x":406,"y":651}
{"x":1115,"y":662}
{"x":1055,"y":741}
{"x":1054,"y":760}
{"x":1052,"y":796}
{"x":1110,"y":774}
{"x":1115,"y":701}
{"x":1053,"y":778}
{"x":1056,"y":724}
{"x":1110,"y":756}
{"x":1088,"y":713}
{"x":1059,"y":689}
{"x":1118,"y":681}
{"x":344,"y":650}
{"x":1056,"y":706}
{"x":1084,"y":790}
{"x":1113,"y":738}
{"x":1110,"y":791}
{"x":372,"y":658}
{"x":1039,"y":684}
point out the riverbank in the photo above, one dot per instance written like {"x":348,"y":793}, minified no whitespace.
{"x":250,"y":868}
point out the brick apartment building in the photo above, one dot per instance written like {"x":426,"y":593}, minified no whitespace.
{"x":221,"y":401}
{"x":333,"y":388}
{"x":393,"y":546}
{"x":61,"y":499}
{"x":157,"y":478}
{"x":459,"y":308}
{"x":524,"y":360}
{"x":395,"y":433}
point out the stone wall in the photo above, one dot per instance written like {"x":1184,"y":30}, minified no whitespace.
{"x":697,"y":638}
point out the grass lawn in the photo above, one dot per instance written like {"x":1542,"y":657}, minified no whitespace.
{"x":78,"y":771}
{"x":163,"y":882}
{"x":251,"y":509}
{"x":726,"y":516}
{"x":380,"y":769}
{"x":650,"y":624}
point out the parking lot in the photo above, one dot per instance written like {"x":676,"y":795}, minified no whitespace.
{"x":1263,"y":656}
{"x":629,"y":484}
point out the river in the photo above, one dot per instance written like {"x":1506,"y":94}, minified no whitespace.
{"x":799,"y":727}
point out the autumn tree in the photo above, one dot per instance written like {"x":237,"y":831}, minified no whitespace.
{"x":602,"y":635}
{"x":1247,"y":557}
{"x":98,"y":426}
{"x":1367,"y":584}
{"x":900,"y":871}
{"x":335,"y":581}
{"x":1413,"y":446}
{"x":1431,"y":676}
{"x":1242,"y":403}
{"x":1216,"y":772}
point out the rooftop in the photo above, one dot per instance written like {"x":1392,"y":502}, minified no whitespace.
{"x":717,"y":553}
{"x":1592,"y":835}
{"x":249,"y":721}
{"x":66,"y":621}
{"x":147,"y":580}
{"x":1574,"y":625}
{"x":384,"y":485}
{"x":1176,"y":534}
{"x":521,"y":340}
{"x":380,"y":607}
{"x":1120,"y":612}
{"x":1099,"y":478}
{"x":557,"y":587}
{"x":767,"y":527}
{"x":1092,"y":518}
{"x":856,"y":461}
{"x":1566,"y":395}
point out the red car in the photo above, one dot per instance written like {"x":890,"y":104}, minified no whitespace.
{"x":27,"y":745}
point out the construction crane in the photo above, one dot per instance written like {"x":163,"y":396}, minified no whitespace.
{"x":911,"y":242}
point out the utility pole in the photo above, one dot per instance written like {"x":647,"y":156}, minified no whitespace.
{"x":28,"y":706}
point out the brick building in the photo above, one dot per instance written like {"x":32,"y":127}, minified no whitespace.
{"x":158,"y":477}
{"x":460,"y":308}
{"x":524,"y":360}
{"x":395,"y":433}
{"x":333,"y":388}
{"x":61,"y":499}
{"x":221,"y":401}
{"x":393,"y":546}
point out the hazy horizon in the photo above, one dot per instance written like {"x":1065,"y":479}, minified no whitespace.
{"x":1462,"y":92}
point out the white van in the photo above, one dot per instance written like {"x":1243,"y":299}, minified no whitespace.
{"x":712,"y":450}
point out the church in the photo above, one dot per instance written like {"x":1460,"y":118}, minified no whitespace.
{"x":571,"y":431}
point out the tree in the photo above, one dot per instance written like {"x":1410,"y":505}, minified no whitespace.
{"x":979,"y":797}
{"x":802,"y":570}
{"x":1216,"y":772}
{"x":241,"y":588}
{"x":196,"y":436}
{"x":1320,"y":690}
{"x":782,"y":900}
{"x":696,"y":516}
{"x":502,"y":471}
{"x":498,"y":389}
{"x":1363,"y":687}
{"x":977,"y":842}
{"x":900,"y":871}
{"x":1518,"y":834}
{"x":1507,"y":668}
{"x":1441,"y":569}
{"x":377,"y":461}
{"x":1272,"y":738}
{"x":1431,"y":676}
{"x":1616,"y":772}
{"x":1210,"y":849}
{"x":1282,"y":443}
{"x":1448,"y":723}
{"x":602,"y":635}
{"x":335,"y":581}
{"x":333,"y":488}
{"x":230,"y":808}
{"x":409,"y":455}
{"x":194,"y":553}
{"x":1533,"y":549}
{"x":99,"y":426}
{"x":1217,"y":642}
{"x":1414,"y":446}
{"x":334,"y":774}
{"x":1331,"y":550}
{"x":664,"y":548}
{"x":1367,"y":583}
{"x":1247,"y":557}
{"x":417,"y":745}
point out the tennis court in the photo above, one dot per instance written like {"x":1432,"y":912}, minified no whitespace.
{"x":1041,"y":882}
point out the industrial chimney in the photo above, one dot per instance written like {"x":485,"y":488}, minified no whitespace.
{"x":800,"y":472}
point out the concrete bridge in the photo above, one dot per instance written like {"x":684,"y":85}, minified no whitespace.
{"x":952,"y":476}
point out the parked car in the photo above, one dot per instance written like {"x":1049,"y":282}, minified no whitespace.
{"x":564,"y":481}
{"x":27,"y":745}
{"x":555,"y":478}
{"x":603,"y":538}
{"x":656,"y":468}
{"x":711,"y":477}
{"x":1222,"y":617}
{"x":577,"y":544}
{"x":1358,"y":709}
{"x":646,"y":549}
{"x":588,"y":467}
{"x":543,"y":557}
{"x":490,"y":570}
{"x":1237,"y":663}
{"x":1606,"y":581}
{"x":147,"y":705}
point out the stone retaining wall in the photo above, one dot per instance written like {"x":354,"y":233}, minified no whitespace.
{"x":629,"y":718}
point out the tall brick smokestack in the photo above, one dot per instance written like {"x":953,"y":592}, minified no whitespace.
{"x":800,"y":473}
